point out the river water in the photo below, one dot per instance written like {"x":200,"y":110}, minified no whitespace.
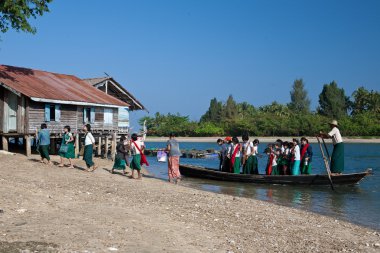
{"x":359,"y":204}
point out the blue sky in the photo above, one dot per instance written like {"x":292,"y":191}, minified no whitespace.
{"x":174,"y":56}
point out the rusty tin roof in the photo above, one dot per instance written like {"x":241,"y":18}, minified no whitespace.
{"x":38,"y":84}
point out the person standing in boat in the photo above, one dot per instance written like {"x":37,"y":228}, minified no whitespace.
{"x":235,"y":157}
{"x":255,"y":153}
{"x":222,"y":154}
{"x":306,"y":156}
{"x":228,"y":154}
{"x":337,"y":157}
{"x":295,"y":170}
{"x":247,"y":158}
{"x":172,"y":147}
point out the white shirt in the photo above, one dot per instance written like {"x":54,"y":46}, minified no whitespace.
{"x":335,"y":134}
{"x":274,"y":162}
{"x":140,"y":144}
{"x":248,"y":148}
{"x":89,"y":139}
{"x":297,"y":153}
{"x":255,"y":150}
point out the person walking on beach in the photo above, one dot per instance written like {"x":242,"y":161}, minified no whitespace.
{"x":43,"y":138}
{"x":337,"y":157}
{"x":120,"y":163}
{"x":306,"y":156}
{"x":67,"y":147}
{"x":172,"y":147}
{"x":137,"y":148}
{"x":295,"y":169}
{"x":89,"y":142}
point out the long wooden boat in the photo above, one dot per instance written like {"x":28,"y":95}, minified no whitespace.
{"x":207,"y":173}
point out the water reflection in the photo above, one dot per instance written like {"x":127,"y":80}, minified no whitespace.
{"x":358,"y":203}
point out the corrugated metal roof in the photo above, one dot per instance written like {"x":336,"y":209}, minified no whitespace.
{"x":47,"y":85}
{"x":127,"y":96}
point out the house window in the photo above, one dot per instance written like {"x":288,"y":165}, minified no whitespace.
{"x":89,"y":115}
{"x":52,"y":112}
{"x":108,"y":115}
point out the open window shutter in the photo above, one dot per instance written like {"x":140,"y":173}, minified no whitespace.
{"x":57,"y":113}
{"x":47,"y":112}
{"x":84,"y":115}
{"x":92,"y":115}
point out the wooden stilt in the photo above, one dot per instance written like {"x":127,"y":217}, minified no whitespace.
{"x":113,"y":146}
{"x":100,"y":146}
{"x":76,"y":145}
{"x":28,"y":146}
{"x":4,"y":140}
{"x":52,"y":146}
{"x":106,"y":148}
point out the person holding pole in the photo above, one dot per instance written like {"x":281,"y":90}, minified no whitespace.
{"x":337,"y":157}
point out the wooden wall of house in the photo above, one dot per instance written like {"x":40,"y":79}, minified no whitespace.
{"x":1,"y":108}
{"x":22,"y":122}
{"x":36,"y":116}
{"x":98,"y":123}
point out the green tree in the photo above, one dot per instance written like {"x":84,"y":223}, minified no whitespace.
{"x":333,"y":102}
{"x":299,"y":101}
{"x":15,"y":14}
{"x":230,"y":109}
{"x":214,"y":112}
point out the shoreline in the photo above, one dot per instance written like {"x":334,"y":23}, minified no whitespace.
{"x":262,"y":139}
{"x":66,"y":210}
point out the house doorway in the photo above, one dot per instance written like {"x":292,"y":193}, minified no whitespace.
{"x":11,"y":120}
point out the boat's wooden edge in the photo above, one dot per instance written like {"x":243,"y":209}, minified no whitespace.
{"x":367,"y":172}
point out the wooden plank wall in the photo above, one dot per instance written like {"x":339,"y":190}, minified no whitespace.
{"x":99,"y":119}
{"x":1,"y":109}
{"x":36,"y":116}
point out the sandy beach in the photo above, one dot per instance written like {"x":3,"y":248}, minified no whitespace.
{"x":262,"y":139}
{"x":49,"y":209}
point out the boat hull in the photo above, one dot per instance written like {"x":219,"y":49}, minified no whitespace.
{"x":206,"y":173}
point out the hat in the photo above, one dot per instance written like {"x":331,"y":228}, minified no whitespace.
{"x":228,"y":138}
{"x":334,"y":122}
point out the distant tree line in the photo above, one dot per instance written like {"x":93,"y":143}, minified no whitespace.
{"x":358,"y":115}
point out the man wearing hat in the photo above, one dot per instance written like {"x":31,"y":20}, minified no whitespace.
{"x":337,"y":157}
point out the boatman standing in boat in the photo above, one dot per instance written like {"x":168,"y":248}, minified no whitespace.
{"x":337,"y":157}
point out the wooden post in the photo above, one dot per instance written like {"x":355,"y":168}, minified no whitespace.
{"x":76,"y":145}
{"x":5,"y":143}
{"x":100,"y":146}
{"x":113,"y":146}
{"x":106,"y":148}
{"x":52,"y":145}
{"x":28,"y":145}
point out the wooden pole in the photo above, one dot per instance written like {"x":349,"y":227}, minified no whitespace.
{"x":327,"y":151}
{"x":106,"y":147}
{"x":113,"y":146}
{"x":326,"y":164}
{"x":28,"y":145}
{"x":76,"y":145}
{"x":52,"y":145}
{"x":100,"y":146}
{"x":5,"y":143}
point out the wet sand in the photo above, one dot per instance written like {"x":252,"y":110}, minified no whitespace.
{"x":262,"y":139}
{"x":51,"y":209}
